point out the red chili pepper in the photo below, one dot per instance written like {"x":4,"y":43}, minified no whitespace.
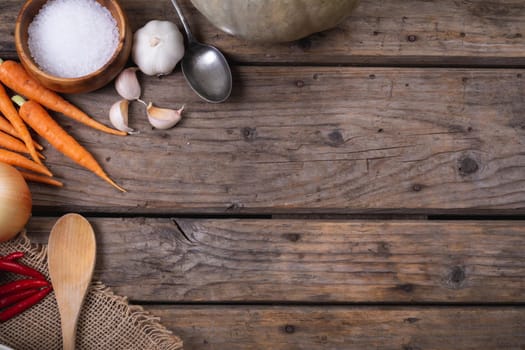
{"x":23,"y":305}
{"x":13,"y":256}
{"x":12,"y":266}
{"x":18,"y":285}
{"x":13,"y":298}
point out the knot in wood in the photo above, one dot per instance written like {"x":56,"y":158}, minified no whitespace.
{"x":299,"y":83}
{"x":417,"y":187}
{"x":249,"y":134}
{"x":467,"y":166}
{"x":289,"y":329}
{"x":383,"y":249}
{"x":292,"y":237}
{"x":335,"y":138}
{"x":457,"y":276}
{"x":411,"y":320}
{"x":407,"y":287}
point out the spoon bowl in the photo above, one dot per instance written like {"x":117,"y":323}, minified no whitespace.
{"x":71,"y":259}
{"x":205,"y":67}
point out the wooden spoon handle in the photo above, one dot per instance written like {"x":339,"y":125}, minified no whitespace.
{"x":69,"y":305}
{"x":69,"y":331}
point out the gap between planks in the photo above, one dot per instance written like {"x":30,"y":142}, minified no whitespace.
{"x":489,"y":216}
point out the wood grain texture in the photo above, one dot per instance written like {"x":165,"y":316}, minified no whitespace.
{"x":306,"y":133}
{"x":334,"y":140}
{"x":444,"y":32}
{"x":381,"y":328}
{"x":192,"y":260}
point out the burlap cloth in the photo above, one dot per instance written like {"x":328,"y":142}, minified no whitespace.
{"x":107,"y":321}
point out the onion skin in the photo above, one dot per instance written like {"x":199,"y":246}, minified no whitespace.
{"x":15,"y":202}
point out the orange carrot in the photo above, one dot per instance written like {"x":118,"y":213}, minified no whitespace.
{"x":38,"y":146}
{"x":19,"y":160}
{"x":42,"y":179}
{"x":6,"y":127}
{"x":11,"y":143}
{"x":13,"y":75}
{"x":37,"y":118}
{"x":9,"y":110}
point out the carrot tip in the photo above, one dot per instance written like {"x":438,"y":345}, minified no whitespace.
{"x":116,"y":132}
{"x":121,"y":189}
{"x":41,"y":179}
{"x":46,"y":171}
{"x":114,"y":184}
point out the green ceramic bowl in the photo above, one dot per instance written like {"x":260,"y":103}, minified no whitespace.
{"x":274,"y":20}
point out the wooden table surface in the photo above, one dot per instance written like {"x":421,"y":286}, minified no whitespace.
{"x":363,"y":188}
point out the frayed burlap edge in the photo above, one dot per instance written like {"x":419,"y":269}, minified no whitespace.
{"x":36,"y":255}
{"x":147,"y":322}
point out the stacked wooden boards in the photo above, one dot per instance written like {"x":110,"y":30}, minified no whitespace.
{"x":279,"y":219}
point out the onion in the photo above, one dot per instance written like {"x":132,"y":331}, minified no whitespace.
{"x":15,"y":202}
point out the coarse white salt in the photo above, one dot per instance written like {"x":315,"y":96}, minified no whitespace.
{"x":72,"y":38}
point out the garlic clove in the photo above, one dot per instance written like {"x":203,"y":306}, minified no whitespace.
{"x":127,"y":84}
{"x":118,"y":116}
{"x":163,"y":118}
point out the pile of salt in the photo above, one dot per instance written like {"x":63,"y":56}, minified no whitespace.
{"x":72,"y":38}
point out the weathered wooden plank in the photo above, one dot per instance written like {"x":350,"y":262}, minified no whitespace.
{"x":305,"y":139}
{"x":400,"y":32}
{"x":444,"y":32}
{"x":308,"y":261}
{"x":231,"y":327}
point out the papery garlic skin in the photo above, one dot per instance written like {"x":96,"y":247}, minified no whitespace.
{"x":118,"y":116}
{"x":163,"y":118}
{"x":127,"y":84}
{"x":157,"y":47}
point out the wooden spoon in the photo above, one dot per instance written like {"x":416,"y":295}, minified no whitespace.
{"x":71,"y":258}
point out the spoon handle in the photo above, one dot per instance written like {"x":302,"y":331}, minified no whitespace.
{"x":183,"y":20}
{"x":69,"y":330}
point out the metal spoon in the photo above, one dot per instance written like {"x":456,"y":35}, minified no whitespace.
{"x":205,"y":67}
{"x":71,"y":258}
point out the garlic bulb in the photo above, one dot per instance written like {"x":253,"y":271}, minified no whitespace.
{"x":127,"y":84}
{"x":118,"y":116}
{"x":157,"y":47}
{"x":163,"y":118}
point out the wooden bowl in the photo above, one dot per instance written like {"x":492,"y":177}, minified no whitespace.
{"x":90,"y":82}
